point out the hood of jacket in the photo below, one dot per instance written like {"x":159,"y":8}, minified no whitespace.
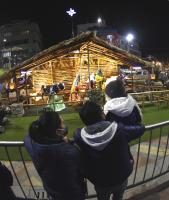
{"x":99,"y":135}
{"x":122,"y":106}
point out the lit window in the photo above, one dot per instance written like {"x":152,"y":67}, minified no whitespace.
{"x":6,"y":54}
{"x":7,"y":34}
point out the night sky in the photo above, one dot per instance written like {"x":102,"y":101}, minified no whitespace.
{"x":148,"y":20}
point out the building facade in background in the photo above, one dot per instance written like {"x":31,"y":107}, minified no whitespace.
{"x":111,"y":36}
{"x":19,"y":41}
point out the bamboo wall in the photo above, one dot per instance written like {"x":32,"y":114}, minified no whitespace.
{"x":64,"y":72}
{"x":66,"y":68}
{"x":108,"y":67}
{"x":42,"y":76}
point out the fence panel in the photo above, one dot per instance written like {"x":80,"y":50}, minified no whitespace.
{"x":151,"y":155}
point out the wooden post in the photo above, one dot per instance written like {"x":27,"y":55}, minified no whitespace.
{"x":118,"y":69}
{"x":80,"y":70}
{"x":17,"y":95}
{"x":132,"y":79}
{"x":98,"y":63}
{"x":51,"y":65}
{"x":88,"y":56}
{"x":26,"y":82}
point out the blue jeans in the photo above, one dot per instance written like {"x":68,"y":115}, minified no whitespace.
{"x":103,"y":193}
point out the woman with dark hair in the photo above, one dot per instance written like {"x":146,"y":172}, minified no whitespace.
{"x":120,"y":106}
{"x":56,"y":160}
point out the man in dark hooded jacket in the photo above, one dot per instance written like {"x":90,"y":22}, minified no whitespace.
{"x":105,"y":151}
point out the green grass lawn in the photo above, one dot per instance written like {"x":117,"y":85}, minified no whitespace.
{"x":1,"y":72}
{"x":18,"y":126}
{"x":151,"y":115}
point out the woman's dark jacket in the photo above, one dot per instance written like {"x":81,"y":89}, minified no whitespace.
{"x":59,"y":166}
{"x":104,"y":147}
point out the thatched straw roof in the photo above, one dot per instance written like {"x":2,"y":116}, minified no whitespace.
{"x":68,"y":46}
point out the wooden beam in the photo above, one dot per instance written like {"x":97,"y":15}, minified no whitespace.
{"x":88,"y":56}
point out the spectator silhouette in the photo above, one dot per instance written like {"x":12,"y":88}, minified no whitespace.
{"x":56,"y":160}
{"x":120,"y":106}
{"x":105,"y":151}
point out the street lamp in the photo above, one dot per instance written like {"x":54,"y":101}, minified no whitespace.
{"x":4,"y":53}
{"x":129,"y":39}
{"x":8,"y":52}
{"x":99,"y":20}
{"x":71,"y":12}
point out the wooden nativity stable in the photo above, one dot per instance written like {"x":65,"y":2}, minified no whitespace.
{"x":80,"y":57}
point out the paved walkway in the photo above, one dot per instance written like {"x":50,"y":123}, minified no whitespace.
{"x":162,"y":195}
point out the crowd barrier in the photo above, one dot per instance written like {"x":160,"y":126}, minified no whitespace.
{"x":150,"y":152}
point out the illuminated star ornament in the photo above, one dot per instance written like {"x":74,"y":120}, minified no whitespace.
{"x":71,"y":12}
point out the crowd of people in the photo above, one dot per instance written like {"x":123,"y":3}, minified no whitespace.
{"x":99,"y":151}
